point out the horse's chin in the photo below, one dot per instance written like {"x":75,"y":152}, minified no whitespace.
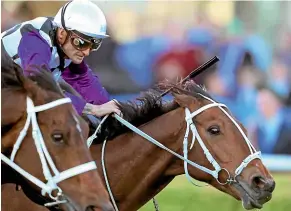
{"x":251,"y":199}
{"x":250,"y":203}
{"x":69,"y":206}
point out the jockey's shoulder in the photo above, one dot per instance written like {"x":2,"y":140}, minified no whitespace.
{"x":38,"y":21}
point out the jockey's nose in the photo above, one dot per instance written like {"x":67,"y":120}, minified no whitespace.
{"x":86,"y":52}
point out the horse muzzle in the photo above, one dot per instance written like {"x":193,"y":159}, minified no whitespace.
{"x":255,"y":193}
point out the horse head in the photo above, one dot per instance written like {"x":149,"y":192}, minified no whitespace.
{"x":218,"y":145}
{"x":59,"y":135}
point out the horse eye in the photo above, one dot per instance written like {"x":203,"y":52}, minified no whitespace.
{"x":214,"y":130}
{"x":58,"y":138}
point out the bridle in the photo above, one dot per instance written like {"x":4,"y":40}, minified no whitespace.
{"x":215,"y":173}
{"x":190,"y":126}
{"x":45,"y":158}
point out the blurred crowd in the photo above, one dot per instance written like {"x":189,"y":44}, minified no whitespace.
{"x":151,"y":41}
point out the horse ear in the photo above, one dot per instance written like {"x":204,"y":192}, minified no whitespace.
{"x":183,"y":100}
{"x":31,"y":88}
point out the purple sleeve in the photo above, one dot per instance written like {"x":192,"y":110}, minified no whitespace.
{"x":33,"y":50}
{"x":82,"y":79}
{"x":78,"y":103}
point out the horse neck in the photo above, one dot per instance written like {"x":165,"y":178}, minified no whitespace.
{"x":12,"y":106}
{"x":137,"y":169}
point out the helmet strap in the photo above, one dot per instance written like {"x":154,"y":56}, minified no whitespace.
{"x":60,"y":51}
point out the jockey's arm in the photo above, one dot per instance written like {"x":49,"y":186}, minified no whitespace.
{"x":85,"y":82}
{"x":33,"y":50}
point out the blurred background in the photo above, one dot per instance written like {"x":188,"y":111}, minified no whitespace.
{"x":153,"y":40}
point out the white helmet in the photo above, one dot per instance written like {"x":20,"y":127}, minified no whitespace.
{"x":84,"y":17}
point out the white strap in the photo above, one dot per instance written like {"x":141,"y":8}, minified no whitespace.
{"x":106,"y":177}
{"x":138,"y":131}
{"x":49,"y":105}
{"x":246,"y":161}
{"x":198,"y":111}
{"x":94,"y":135}
{"x":20,"y":137}
{"x":28,"y":176}
{"x":75,"y":171}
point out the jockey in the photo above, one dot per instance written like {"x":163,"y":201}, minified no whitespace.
{"x":61,"y":43}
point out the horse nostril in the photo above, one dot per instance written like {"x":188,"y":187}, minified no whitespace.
{"x":258,"y":182}
{"x":90,"y":208}
{"x":262,"y":183}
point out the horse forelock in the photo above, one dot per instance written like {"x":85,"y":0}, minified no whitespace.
{"x":12,"y":77}
{"x":44,"y":78}
{"x":189,"y":88}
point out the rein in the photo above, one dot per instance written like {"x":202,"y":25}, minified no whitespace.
{"x":45,"y":158}
{"x":190,"y":126}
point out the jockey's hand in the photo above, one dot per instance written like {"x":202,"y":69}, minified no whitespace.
{"x":102,"y":110}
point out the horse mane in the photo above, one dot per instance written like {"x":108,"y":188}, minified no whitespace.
{"x":44,"y":78}
{"x":12,"y":77}
{"x":148,"y":107}
{"x":192,"y":89}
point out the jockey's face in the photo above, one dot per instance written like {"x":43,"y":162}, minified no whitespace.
{"x":75,"y":47}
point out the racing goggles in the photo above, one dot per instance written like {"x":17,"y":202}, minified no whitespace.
{"x":82,"y":42}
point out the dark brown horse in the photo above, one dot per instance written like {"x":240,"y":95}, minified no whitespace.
{"x":59,"y":135}
{"x":137,"y":169}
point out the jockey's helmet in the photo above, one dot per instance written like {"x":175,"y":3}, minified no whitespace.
{"x":82,"y":16}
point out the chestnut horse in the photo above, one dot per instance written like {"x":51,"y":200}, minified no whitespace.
{"x":58,"y":135}
{"x":218,"y":153}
